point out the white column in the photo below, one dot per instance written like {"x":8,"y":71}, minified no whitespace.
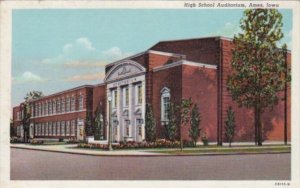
{"x":143,"y":108}
{"x":119,"y":113}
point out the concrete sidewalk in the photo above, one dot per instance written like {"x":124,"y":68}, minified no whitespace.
{"x":73,"y":149}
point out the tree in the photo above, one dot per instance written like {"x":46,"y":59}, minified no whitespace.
{"x":171,"y":124}
{"x":99,"y":125}
{"x":12,"y":129}
{"x":89,"y":128}
{"x":150,"y":126}
{"x":230,"y":125}
{"x":26,"y":111}
{"x":258,"y":65}
{"x":185,"y":115}
{"x":194,"y":132}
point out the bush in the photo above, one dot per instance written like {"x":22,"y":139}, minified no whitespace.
{"x":73,"y":141}
{"x":36,"y":142}
{"x":189,"y":144}
{"x":60,"y":139}
{"x":15,"y":140}
{"x":204,"y":139}
{"x":162,"y":143}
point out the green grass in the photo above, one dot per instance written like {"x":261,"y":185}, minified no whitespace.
{"x":225,"y":150}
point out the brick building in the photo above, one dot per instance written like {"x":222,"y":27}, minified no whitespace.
{"x":167,"y":72}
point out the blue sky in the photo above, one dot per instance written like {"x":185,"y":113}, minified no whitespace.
{"x":54,"y":50}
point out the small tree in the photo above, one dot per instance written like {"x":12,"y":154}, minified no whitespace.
{"x":194,"y":132}
{"x":150,"y":125}
{"x":89,"y":128}
{"x":230,"y":125}
{"x":171,"y":124}
{"x":99,"y":125}
{"x":185,"y":115}
{"x":26,"y":111}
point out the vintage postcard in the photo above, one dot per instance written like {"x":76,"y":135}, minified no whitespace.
{"x":149,"y":93}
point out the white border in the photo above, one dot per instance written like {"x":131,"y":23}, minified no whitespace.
{"x":5,"y":97}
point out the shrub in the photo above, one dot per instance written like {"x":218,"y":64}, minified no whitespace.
{"x":187,"y":143}
{"x":73,"y":141}
{"x":204,"y":139}
{"x":15,"y":140}
{"x":36,"y":142}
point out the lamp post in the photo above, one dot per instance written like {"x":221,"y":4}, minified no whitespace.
{"x":109,"y":124}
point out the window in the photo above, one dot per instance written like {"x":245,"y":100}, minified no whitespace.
{"x":54,"y":106}
{"x":125,"y":96}
{"x":43,"y":129}
{"x":50,"y":128}
{"x":46,"y":108}
{"x":40,"y":109}
{"x":80,"y":102}
{"x":39,"y":129}
{"x":46,"y":129}
{"x":58,"y":106}
{"x":140,"y":131}
{"x":139,"y":94}
{"x":68,"y":104}
{"x":73,"y":128}
{"x":73,"y":104}
{"x":62,"y":105}
{"x":165,"y":104}
{"x":50,"y":107}
{"x":67,"y":128}
{"x":127,"y":130}
{"x":115,"y":98}
{"x":32,"y":110}
{"x":35,"y":130}
{"x":54,"y":128}
{"x":58,"y":128}
{"x":62,"y":131}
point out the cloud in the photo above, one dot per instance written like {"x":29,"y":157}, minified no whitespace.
{"x":114,"y":53}
{"x":27,"y":77}
{"x":84,"y":64}
{"x":84,"y":77}
{"x":228,"y":30}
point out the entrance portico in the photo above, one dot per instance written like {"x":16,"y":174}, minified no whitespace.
{"x":126,"y":87}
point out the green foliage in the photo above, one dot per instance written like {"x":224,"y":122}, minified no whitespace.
{"x":194,"y":131}
{"x":150,"y":125}
{"x":99,"y":125}
{"x":230,"y":125}
{"x":89,"y":128}
{"x":185,"y":115}
{"x":26,"y":111}
{"x":171,"y":125}
{"x":204,"y":139}
{"x":259,"y":66}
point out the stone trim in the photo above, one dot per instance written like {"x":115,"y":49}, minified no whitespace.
{"x":184,"y":62}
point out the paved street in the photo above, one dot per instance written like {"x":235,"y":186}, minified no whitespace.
{"x":42,"y":165}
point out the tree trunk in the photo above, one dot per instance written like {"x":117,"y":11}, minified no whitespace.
{"x":258,"y":125}
{"x":181,"y":144}
{"x":255,"y":126}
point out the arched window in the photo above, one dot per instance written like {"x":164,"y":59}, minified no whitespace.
{"x":165,"y":103}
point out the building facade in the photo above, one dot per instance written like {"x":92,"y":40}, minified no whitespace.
{"x":167,"y":72}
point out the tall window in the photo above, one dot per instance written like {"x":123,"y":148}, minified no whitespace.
{"x":62,"y":105}
{"x":67,"y":128}
{"x":54,"y":106}
{"x":115,"y":98}
{"x":46,"y":129}
{"x":62,"y":128}
{"x":126,"y":96}
{"x":73,"y":104}
{"x":40,"y":109}
{"x":73,"y":127}
{"x":32,"y":110}
{"x":54,"y":128}
{"x":58,"y":105}
{"x":50,"y":128}
{"x":139,"y":94}
{"x":50,"y":107}
{"x":165,"y":103}
{"x":58,"y":128}
{"x":80,"y":102}
{"x":68,"y":104}
{"x":36,"y":110}
{"x":46,"y":108}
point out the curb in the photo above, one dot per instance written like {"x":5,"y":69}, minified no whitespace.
{"x":155,"y":155}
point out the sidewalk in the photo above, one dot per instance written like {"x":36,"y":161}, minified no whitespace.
{"x":72,"y":149}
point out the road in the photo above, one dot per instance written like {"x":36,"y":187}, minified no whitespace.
{"x":42,"y":165}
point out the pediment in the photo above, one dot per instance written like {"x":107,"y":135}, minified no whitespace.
{"x":124,"y":69}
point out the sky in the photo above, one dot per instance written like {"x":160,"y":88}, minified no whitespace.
{"x":58,"y":49}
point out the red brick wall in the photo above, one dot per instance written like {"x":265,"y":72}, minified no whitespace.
{"x":199,"y":50}
{"x":273,"y":122}
{"x":172,"y":79}
{"x":200,"y":84}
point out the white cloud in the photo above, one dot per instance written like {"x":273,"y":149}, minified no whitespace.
{"x":114,"y":53}
{"x":82,"y":77}
{"x":27,"y":77}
